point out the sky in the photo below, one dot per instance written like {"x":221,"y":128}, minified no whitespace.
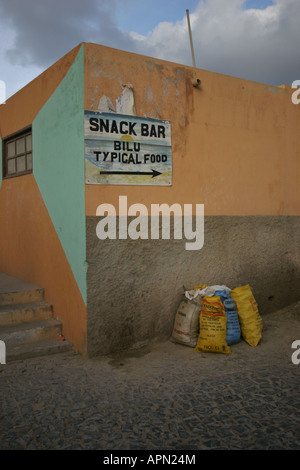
{"x":256,"y":40}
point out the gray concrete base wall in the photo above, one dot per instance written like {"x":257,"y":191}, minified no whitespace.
{"x":134,"y":286}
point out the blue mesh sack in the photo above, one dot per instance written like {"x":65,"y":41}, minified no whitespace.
{"x":233,"y":333}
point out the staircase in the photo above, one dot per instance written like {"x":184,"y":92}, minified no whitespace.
{"x":27,"y":326}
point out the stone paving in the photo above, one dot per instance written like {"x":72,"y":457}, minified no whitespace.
{"x":162,"y":397}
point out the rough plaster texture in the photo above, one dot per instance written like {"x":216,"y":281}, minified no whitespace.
{"x":134,"y":286}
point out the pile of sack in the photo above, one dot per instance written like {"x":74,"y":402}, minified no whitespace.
{"x":212,"y":318}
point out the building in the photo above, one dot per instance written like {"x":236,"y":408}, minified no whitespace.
{"x":230,"y":144}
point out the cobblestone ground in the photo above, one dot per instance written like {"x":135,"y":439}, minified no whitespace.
{"x":162,"y":397}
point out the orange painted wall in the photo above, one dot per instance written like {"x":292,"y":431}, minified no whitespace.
{"x":21,"y":109}
{"x":234,"y":142}
{"x":30,"y":246}
{"x":31,"y":251}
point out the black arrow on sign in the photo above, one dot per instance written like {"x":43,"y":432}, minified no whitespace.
{"x":152,"y":173}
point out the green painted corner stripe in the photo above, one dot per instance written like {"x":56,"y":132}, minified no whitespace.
{"x":58,"y":165}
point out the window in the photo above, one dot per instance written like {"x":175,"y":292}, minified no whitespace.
{"x":18,"y":154}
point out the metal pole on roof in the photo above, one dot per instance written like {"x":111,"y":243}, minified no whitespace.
{"x":191,"y":40}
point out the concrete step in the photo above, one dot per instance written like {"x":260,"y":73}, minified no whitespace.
{"x":27,"y":326}
{"x":12,"y":314}
{"x":30,"y":332}
{"x":37,"y":349}
{"x":16,"y":291}
{"x":27,"y":296}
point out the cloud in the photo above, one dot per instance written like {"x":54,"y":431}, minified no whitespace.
{"x":259,"y":45}
{"x":46,"y":30}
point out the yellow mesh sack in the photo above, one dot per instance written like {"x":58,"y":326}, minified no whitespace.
{"x":202,"y":286}
{"x":213,"y":324}
{"x":249,"y":317}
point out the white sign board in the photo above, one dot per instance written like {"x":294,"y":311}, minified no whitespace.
{"x":121,"y":149}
